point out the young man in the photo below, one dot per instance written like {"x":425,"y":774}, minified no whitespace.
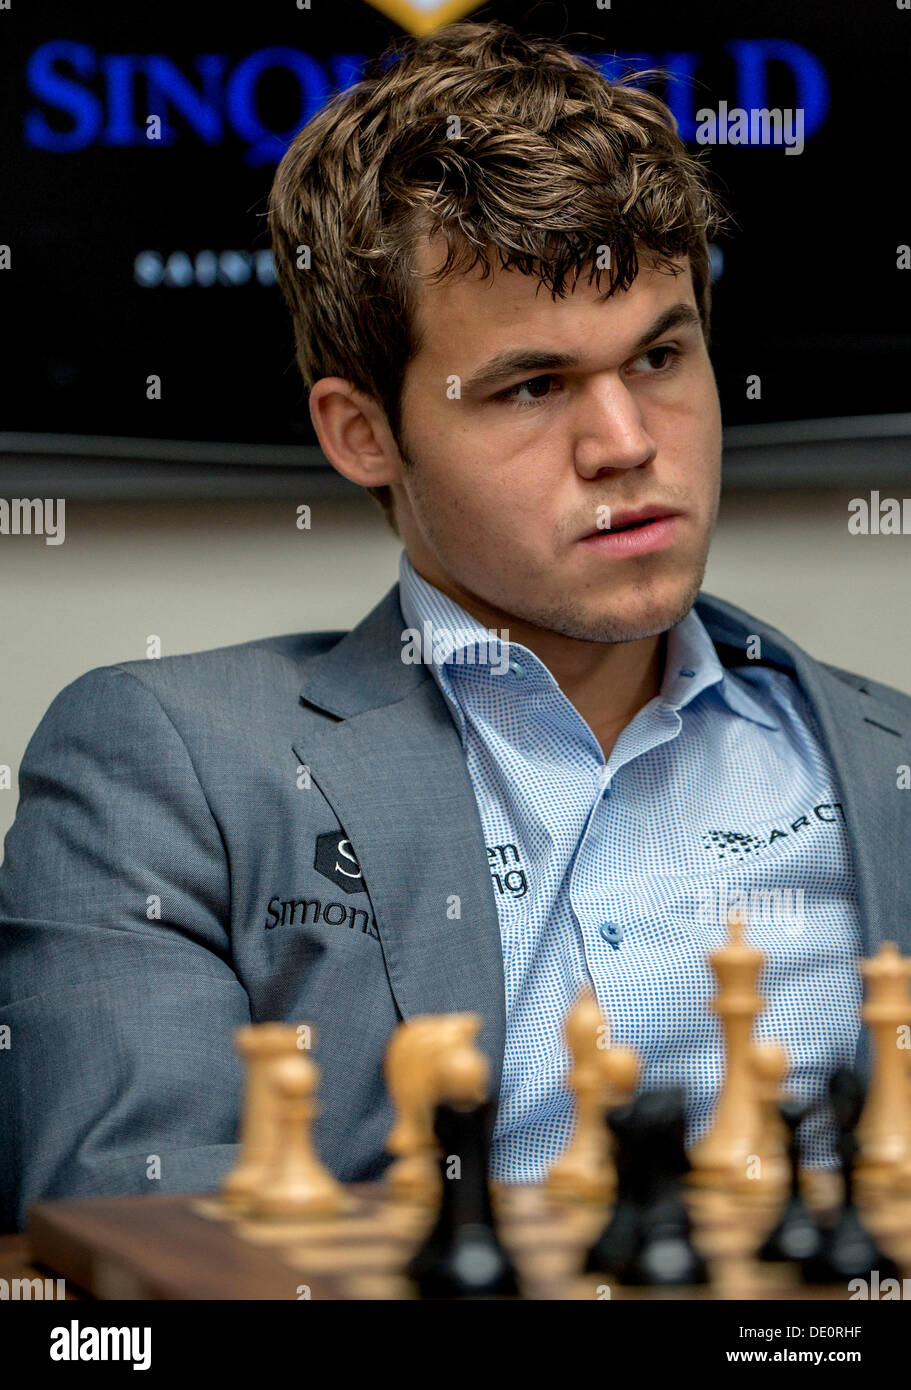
{"x":542,"y":761}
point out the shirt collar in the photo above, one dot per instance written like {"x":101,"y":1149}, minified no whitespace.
{"x":691,"y":661}
{"x":692,"y":665}
{"x":442,"y":626}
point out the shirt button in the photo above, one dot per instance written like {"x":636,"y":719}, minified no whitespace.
{"x":612,"y":933}
{"x":517,"y":668}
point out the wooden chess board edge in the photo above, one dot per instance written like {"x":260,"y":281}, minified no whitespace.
{"x":189,"y":1247}
{"x":156,"y":1247}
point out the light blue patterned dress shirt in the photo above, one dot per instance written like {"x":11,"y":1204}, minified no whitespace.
{"x":619,"y":874}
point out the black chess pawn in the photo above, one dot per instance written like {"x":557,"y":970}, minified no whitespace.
{"x":617,"y":1242}
{"x":463,"y":1256}
{"x":796,"y":1235}
{"x":847,"y":1249}
{"x":647,"y":1240}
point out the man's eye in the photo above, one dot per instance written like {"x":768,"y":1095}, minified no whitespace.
{"x":668,"y":357}
{"x":532,"y":384}
{"x":663,"y":360}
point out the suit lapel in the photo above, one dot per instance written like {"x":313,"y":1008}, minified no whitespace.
{"x":396,"y":776}
{"x":866,"y":740}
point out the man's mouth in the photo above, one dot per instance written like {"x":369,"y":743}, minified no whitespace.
{"x":631,"y":534}
{"x":630,"y":525}
{"x":630,"y":520}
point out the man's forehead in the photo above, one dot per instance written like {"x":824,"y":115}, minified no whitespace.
{"x":471,"y":304}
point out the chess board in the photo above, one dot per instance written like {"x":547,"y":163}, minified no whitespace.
{"x":192,"y":1247}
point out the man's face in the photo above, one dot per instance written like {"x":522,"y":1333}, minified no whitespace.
{"x":507,"y":475}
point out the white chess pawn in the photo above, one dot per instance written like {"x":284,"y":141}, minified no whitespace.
{"x":259,"y":1044}
{"x":295,"y":1183}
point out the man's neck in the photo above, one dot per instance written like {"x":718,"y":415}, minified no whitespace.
{"x":610,"y":692}
{"x":607,"y":682}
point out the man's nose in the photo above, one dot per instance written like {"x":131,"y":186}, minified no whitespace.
{"x":611,"y":432}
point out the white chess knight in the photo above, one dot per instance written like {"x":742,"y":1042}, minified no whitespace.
{"x":602,"y":1077}
{"x":429,"y":1058}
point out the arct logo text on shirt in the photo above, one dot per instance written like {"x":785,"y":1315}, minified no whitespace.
{"x":507,"y":880}
{"x":737,"y":843}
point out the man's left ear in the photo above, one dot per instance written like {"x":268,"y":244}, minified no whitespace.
{"x":354,"y":433}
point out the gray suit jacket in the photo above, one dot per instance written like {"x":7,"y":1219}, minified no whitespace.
{"x":178,"y":786}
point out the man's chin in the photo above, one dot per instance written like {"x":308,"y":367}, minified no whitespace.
{"x":643,"y":617}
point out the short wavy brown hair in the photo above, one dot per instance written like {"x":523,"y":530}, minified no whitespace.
{"x":550,"y":160}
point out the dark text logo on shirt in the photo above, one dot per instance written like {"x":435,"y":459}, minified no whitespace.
{"x":292,"y":912}
{"x":506,"y":870}
{"x":737,"y":844}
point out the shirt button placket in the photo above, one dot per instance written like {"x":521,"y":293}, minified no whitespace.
{"x":612,"y":933}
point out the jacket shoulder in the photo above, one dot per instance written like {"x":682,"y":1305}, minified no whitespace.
{"x":889,"y":694}
{"x":257,"y":676}
{"x":728,"y":623}
{"x":253,"y":666}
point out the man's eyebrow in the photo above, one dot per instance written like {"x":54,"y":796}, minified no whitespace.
{"x":512,"y":361}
